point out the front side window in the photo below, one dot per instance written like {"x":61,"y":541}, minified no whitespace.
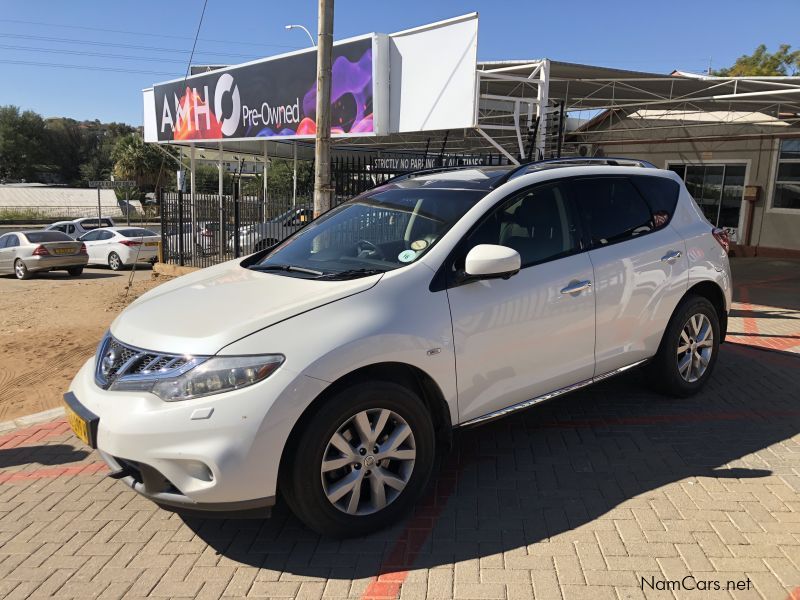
{"x":381,"y":230}
{"x":787,"y":180}
{"x":612,"y":209}
{"x":91,"y":236}
{"x":536,"y":223}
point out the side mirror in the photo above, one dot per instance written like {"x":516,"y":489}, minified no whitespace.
{"x":488,"y":261}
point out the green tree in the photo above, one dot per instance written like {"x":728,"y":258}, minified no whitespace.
{"x":764,"y":64}
{"x":22,"y":143}
{"x":137,"y":161}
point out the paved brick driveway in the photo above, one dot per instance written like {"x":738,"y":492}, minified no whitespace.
{"x":579,"y":498}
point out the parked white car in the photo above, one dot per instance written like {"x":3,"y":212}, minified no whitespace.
{"x":120,"y":247}
{"x":77,"y":227}
{"x":332,"y":368}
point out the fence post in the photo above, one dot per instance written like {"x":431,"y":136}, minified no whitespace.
{"x":180,"y":228}
{"x":163,"y":244}
{"x":236,"y":221}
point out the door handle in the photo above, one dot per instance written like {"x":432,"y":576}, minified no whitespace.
{"x":577,"y":286}
{"x":671,"y":256}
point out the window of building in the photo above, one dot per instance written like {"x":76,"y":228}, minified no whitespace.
{"x":787,"y":178}
{"x":718,"y":191}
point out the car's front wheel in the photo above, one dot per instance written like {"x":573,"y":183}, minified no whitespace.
{"x":114,"y":261}
{"x":361,"y":461}
{"x":689,"y":348}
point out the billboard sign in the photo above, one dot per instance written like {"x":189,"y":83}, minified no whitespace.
{"x":271,"y":98}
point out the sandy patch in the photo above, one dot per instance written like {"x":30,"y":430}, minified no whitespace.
{"x":50,"y":325}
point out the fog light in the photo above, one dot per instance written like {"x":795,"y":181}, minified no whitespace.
{"x":197,"y":470}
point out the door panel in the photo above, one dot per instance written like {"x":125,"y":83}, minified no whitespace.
{"x":520,"y":338}
{"x":636,"y":294}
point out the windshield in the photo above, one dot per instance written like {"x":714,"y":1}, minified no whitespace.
{"x":378,"y":231}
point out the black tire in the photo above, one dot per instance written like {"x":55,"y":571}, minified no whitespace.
{"x":115,"y":262}
{"x":21,"y":270}
{"x":75,"y":271}
{"x":663,"y":370}
{"x":301,"y":479}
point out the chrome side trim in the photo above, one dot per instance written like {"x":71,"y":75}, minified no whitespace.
{"x":533,"y":401}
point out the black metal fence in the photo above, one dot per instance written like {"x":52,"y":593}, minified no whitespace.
{"x":210,"y":228}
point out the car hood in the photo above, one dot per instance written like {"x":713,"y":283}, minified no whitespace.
{"x":203,"y":312}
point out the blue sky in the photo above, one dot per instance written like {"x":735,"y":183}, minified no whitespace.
{"x":116,"y":38}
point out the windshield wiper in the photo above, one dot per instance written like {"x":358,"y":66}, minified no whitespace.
{"x":289,"y":268}
{"x":351,"y":273}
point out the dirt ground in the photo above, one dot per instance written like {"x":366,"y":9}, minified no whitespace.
{"x":50,"y":325}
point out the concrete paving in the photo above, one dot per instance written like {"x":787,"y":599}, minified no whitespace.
{"x":610,"y":492}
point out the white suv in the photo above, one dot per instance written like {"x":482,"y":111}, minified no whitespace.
{"x":333,"y":367}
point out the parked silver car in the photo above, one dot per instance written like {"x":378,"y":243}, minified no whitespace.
{"x":26,"y":252}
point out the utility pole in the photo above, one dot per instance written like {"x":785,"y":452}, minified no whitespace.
{"x":323,"y":191}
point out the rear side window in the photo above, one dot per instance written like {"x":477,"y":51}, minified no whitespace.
{"x":661,"y":195}
{"x":11,"y":241}
{"x":88,"y":224}
{"x":37,"y":237}
{"x":612,"y":209}
{"x":136,"y":232}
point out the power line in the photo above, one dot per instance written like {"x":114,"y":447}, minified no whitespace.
{"x":95,"y":54}
{"x":194,"y":43}
{"x":84,"y":67}
{"x":113,"y":45}
{"x":149,"y":34}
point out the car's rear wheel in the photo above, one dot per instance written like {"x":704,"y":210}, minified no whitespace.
{"x":114,"y":261}
{"x":362,"y":460}
{"x":20,"y":270}
{"x":75,"y":271}
{"x":689,"y":348}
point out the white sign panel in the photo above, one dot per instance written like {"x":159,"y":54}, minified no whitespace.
{"x":432,"y":76}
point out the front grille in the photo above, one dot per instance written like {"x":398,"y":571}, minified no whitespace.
{"x":116,"y":360}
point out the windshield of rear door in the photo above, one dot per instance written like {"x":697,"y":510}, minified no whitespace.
{"x":381,"y":230}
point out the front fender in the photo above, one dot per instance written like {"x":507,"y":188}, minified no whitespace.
{"x":398,"y":320}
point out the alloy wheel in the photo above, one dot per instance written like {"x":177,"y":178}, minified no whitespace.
{"x":368,"y":461}
{"x":695,"y":346}
{"x":20,"y":269}
{"x":114,"y":262}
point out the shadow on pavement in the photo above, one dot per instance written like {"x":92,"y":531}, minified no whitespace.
{"x":55,"y":454}
{"x":554,"y":468}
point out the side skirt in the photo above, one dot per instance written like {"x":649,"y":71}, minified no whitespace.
{"x":538,"y":399}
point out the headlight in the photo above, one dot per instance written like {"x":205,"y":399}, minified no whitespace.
{"x":214,"y":376}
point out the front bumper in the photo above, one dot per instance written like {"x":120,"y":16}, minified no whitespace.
{"x":218,"y":453}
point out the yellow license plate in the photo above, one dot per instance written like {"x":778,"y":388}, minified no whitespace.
{"x":151,"y":244}
{"x":78,"y":425}
{"x":64,"y":251}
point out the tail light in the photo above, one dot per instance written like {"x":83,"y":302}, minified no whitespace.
{"x":41,"y":251}
{"x":82,"y":249}
{"x":130,"y":243}
{"x":722,"y":238}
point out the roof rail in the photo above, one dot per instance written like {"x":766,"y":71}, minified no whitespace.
{"x":428,"y":171}
{"x":615,"y":161}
